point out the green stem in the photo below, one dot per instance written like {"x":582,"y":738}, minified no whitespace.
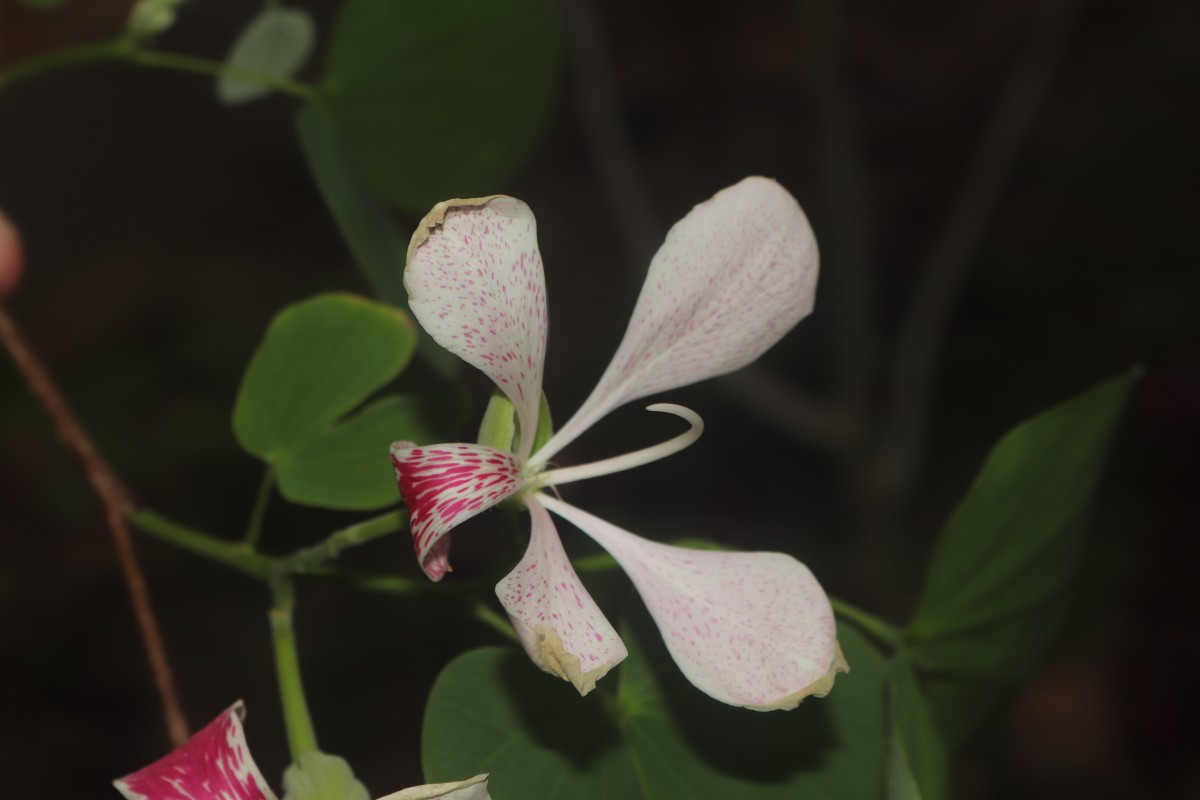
{"x":203,"y":544}
{"x":205,"y":66}
{"x":61,"y":59}
{"x":301,"y":736}
{"x":254,"y":528}
{"x":484,"y":613}
{"x":367,"y":582}
{"x":867,"y":621}
{"x":312,"y":558}
{"x":129,"y":52}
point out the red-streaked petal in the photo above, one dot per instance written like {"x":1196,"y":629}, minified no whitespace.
{"x":732,"y":277}
{"x":749,"y":629}
{"x":445,"y":484}
{"x":215,"y":764}
{"x":475,"y":282}
{"x":560,"y":626}
{"x":471,"y":789}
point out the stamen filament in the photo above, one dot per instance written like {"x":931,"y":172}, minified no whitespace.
{"x":607,"y":466}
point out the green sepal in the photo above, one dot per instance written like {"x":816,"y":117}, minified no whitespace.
{"x":545,"y":425}
{"x":320,"y":776}
{"x":498,"y":428}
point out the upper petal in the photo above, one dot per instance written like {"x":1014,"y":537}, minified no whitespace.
{"x":445,"y":484}
{"x":732,"y":277}
{"x":475,"y":283}
{"x":749,"y":629}
{"x":471,"y":789}
{"x":215,"y":764}
{"x":560,"y":626}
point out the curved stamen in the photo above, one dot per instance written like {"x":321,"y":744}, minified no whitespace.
{"x":557,"y":477}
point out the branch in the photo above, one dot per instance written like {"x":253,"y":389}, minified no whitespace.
{"x":847,"y":236}
{"x":955,"y":245}
{"x":624,"y":189}
{"x":117,"y":503}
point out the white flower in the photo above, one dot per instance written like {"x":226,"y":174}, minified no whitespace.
{"x":732,"y":277}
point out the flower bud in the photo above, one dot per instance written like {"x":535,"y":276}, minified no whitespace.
{"x":12,"y":257}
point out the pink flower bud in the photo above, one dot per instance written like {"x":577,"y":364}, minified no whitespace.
{"x":12,"y":257}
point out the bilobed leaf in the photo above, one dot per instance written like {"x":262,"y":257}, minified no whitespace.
{"x":917,"y":762}
{"x":318,"y":776}
{"x":347,"y":467}
{"x":274,"y":44}
{"x":441,"y":100}
{"x":372,"y":236}
{"x":658,"y":738}
{"x":320,"y":359}
{"x":997,"y":588}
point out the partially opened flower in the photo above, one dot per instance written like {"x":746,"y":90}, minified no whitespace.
{"x":215,"y":764}
{"x":732,"y":277}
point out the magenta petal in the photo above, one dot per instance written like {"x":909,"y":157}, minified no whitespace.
{"x":560,"y":626}
{"x":732,"y":277}
{"x":215,"y":764}
{"x":749,"y":629}
{"x":475,"y":282}
{"x":445,"y":484}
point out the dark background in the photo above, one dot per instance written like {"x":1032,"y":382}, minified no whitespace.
{"x":163,"y":230}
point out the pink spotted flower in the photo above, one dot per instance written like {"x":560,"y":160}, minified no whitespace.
{"x":733,"y":276}
{"x":215,"y":764}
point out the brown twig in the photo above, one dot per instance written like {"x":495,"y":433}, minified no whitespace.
{"x":117,"y":502}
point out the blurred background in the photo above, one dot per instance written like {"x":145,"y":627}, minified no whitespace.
{"x":1018,"y":177}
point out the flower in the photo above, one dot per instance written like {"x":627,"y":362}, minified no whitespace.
{"x":215,"y":764}
{"x":732,"y":277}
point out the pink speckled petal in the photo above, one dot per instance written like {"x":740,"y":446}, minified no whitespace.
{"x":445,"y":484}
{"x":749,"y":629}
{"x":732,"y":277}
{"x":475,"y":282}
{"x":471,"y":789}
{"x":559,"y":624}
{"x":215,"y":764}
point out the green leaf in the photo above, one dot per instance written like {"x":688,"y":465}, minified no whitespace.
{"x":997,"y":589}
{"x":917,"y":762}
{"x":348,"y":467}
{"x":492,"y":711}
{"x":274,"y":44}
{"x":319,"y":359}
{"x":319,"y":776}
{"x":374,"y":239}
{"x":440,"y":100}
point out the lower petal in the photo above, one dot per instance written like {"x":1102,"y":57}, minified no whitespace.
{"x":560,"y":626}
{"x":214,"y":763}
{"x":749,"y":629}
{"x":445,"y":484}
